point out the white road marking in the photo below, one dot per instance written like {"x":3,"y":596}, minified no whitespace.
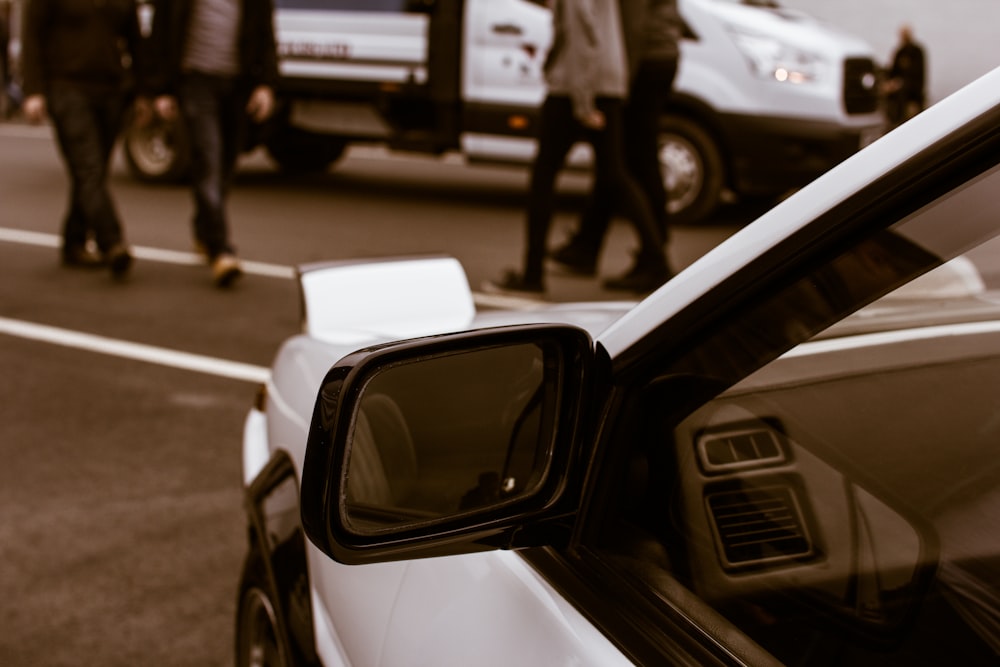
{"x":45,"y":240}
{"x":148,"y":353}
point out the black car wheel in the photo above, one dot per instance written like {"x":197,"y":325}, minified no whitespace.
{"x":259,"y":640}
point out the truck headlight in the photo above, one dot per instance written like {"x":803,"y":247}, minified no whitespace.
{"x":770,"y":58}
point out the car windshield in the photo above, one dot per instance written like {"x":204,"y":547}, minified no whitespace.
{"x":840,"y":504}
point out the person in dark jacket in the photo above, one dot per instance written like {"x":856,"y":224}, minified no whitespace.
{"x":906,"y":82}
{"x":217,"y":68}
{"x":78,"y":62}
{"x":652,"y":30}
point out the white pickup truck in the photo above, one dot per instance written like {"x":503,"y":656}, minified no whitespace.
{"x":766,"y":98}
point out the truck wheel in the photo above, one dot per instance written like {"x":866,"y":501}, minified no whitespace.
{"x":692,"y":170}
{"x":300,"y":151}
{"x":158,"y":152}
{"x":259,"y":641}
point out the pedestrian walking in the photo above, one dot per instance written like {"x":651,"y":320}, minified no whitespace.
{"x":907,"y":79}
{"x":587,"y":76}
{"x":652,"y":30}
{"x":80,"y":63}
{"x":218,"y":65}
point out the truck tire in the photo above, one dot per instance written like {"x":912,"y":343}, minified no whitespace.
{"x":299,"y":151}
{"x":693,"y":170}
{"x":158,"y":152}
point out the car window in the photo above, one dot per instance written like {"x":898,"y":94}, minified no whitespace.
{"x":840,"y":504}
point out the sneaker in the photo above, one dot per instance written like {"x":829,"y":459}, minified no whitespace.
{"x":226,"y":269}
{"x":513,"y":283}
{"x":575,"y":260}
{"x":119,"y":260}
{"x":640,"y":279}
{"x":81,"y":257}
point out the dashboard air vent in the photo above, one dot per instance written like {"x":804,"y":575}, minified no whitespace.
{"x":759,"y":526}
{"x":738,"y":448}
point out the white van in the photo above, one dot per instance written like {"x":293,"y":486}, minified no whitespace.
{"x":766,"y":99}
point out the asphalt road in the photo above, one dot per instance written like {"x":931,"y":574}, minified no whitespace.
{"x":122,"y":405}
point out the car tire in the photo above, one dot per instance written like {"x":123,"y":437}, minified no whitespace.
{"x":260,"y":641}
{"x":158,"y":152}
{"x":693,"y":171}
{"x":299,"y":151}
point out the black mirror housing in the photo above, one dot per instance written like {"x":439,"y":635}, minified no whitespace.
{"x":448,"y":444}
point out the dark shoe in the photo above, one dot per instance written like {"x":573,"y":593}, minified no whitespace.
{"x":575,"y":260}
{"x":640,"y":279}
{"x":512,"y":283}
{"x":81,"y":257}
{"x":119,"y":260}
{"x":226,"y":269}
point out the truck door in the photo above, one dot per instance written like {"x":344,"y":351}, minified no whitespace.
{"x":506,"y":42}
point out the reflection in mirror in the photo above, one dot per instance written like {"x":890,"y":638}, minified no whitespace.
{"x":448,"y":434}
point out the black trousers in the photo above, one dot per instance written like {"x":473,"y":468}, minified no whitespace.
{"x":559,"y":130}
{"x":648,"y":97}
{"x":87,"y":123}
{"x":214,"y":110}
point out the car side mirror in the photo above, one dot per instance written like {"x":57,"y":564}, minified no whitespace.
{"x":446,"y":444}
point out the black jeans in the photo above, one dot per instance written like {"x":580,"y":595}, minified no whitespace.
{"x":559,"y":130}
{"x":648,"y":97}
{"x":214,"y":111}
{"x":87,"y":123}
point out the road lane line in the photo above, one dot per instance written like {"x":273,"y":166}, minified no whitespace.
{"x":136,"y":351}
{"x":46,"y":240}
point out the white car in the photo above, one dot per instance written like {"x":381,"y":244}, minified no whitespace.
{"x":788,"y":454}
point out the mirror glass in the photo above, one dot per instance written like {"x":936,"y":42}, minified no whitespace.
{"x":449,"y":434}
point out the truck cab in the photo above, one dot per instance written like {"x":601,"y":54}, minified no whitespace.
{"x":766,"y":99}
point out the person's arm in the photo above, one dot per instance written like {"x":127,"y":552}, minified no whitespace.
{"x":584,"y":52}
{"x":263,"y":61}
{"x":32,"y":64}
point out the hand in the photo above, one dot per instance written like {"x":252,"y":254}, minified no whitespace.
{"x":165,"y":107}
{"x":142,"y":112}
{"x":34,"y":108}
{"x":261,"y":104}
{"x":593,"y":120}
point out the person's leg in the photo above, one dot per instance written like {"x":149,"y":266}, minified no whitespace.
{"x":580,"y":253}
{"x":651,"y":265}
{"x":202,"y":106}
{"x":80,"y":123}
{"x":557,"y":133}
{"x":642,"y":115}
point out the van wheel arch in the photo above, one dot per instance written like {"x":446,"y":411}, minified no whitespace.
{"x":694,"y":170}
{"x":299,"y":151}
